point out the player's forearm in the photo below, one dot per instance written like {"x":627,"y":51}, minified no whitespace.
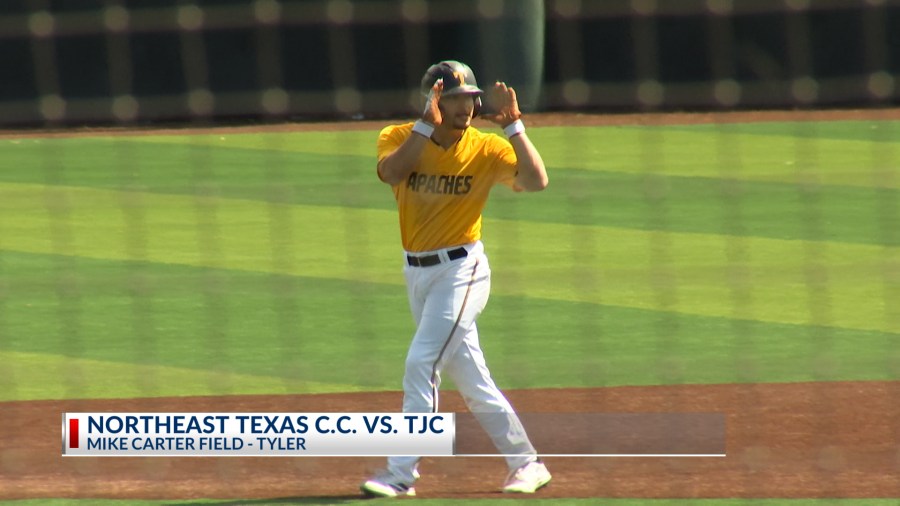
{"x":396,"y":167}
{"x":532,"y":175}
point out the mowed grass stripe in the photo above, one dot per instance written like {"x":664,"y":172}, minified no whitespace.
{"x":724,"y":153}
{"x":711,"y":206}
{"x":865,"y":155}
{"x":586,"y":197}
{"x":797,"y":282}
{"x":37,"y":376}
{"x":858,"y":130}
{"x":305,"y":330}
{"x":852,"y":153}
{"x":197,"y":169}
{"x":74,"y":323}
{"x":328,"y":242}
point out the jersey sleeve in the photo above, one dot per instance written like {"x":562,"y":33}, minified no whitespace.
{"x":390,"y":138}
{"x":505,"y":162}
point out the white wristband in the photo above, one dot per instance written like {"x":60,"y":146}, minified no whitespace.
{"x":422,"y":128}
{"x":514,"y":128}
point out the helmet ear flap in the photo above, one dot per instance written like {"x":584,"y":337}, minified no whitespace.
{"x":477,"y":106}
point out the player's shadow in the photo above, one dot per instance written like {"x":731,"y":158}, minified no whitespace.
{"x":333,"y":499}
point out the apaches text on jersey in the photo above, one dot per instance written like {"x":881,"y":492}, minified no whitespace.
{"x":445,"y":184}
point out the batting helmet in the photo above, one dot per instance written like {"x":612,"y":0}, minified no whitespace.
{"x":458,"y":79}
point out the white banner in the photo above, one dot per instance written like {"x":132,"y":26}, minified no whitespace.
{"x":257,"y":434}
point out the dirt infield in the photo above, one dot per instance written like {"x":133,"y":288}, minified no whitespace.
{"x":803,"y":440}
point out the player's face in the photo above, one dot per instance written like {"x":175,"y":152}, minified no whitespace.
{"x":458,"y":110}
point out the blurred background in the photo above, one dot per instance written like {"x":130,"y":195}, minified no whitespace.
{"x":112,"y":61}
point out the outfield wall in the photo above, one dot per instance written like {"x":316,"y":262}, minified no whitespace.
{"x":104,"y":61}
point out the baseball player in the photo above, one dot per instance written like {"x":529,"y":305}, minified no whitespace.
{"x":441,"y":170}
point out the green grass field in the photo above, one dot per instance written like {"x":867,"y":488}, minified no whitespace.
{"x":270,"y":263}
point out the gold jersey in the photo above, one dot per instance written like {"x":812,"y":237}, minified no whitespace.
{"x":441,"y":201}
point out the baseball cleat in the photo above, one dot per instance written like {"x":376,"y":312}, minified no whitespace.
{"x":528,"y":478}
{"x":385,"y":485}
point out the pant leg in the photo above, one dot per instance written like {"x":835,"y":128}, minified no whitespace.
{"x":448,"y":298}
{"x":468,"y":369}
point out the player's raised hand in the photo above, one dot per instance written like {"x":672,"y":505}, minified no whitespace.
{"x":503,"y":98}
{"x":432,"y":113}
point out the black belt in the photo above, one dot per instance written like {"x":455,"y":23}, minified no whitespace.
{"x":429,"y":260}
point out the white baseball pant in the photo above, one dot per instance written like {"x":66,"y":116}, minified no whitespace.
{"x":445,"y":300}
